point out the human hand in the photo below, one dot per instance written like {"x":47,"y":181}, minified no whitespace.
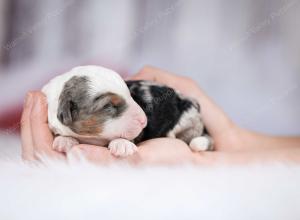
{"x":233,"y":144}
{"x":159,"y":151}
{"x":174,"y":152}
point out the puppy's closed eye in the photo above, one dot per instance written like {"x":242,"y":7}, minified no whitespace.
{"x":97,"y":98}
{"x":108,"y":106}
{"x":109,"y":100}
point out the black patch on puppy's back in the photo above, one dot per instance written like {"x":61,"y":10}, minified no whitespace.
{"x":163,"y":110}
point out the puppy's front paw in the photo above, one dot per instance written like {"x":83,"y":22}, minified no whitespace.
{"x":64,"y":144}
{"x":122,"y":147}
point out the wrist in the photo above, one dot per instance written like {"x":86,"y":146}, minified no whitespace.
{"x":230,"y":138}
{"x":249,"y":140}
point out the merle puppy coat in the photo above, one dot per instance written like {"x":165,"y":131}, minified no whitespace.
{"x":92,"y":104}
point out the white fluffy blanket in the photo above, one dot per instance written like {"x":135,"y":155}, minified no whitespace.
{"x":84,"y":191}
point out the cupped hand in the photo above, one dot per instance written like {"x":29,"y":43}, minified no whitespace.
{"x":35,"y":134}
{"x":159,"y":151}
{"x":233,"y":144}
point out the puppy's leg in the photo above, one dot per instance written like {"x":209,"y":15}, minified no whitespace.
{"x":196,"y":138}
{"x":64,"y":144}
{"x":121,"y":147}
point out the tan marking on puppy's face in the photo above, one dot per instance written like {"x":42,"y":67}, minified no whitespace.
{"x":91,"y":126}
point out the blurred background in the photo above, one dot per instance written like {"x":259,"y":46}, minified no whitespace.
{"x":244,"y":54}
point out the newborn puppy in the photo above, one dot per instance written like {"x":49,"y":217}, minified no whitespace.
{"x":93,"y":105}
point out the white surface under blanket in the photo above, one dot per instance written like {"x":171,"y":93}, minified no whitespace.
{"x":84,"y":191}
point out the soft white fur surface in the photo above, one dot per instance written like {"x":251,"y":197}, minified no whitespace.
{"x":84,"y":191}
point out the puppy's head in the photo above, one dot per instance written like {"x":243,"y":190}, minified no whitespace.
{"x":95,"y":102}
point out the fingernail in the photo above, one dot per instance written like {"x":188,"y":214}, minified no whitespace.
{"x":39,"y":103}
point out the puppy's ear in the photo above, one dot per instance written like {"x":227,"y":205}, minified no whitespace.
{"x":67,"y":112}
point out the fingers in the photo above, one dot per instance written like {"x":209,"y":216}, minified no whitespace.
{"x":35,"y":134}
{"x":42,"y":137}
{"x":41,"y":134}
{"x":152,"y":74}
{"x":145,"y":74}
{"x":164,"y":77}
{"x":26,"y":136}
